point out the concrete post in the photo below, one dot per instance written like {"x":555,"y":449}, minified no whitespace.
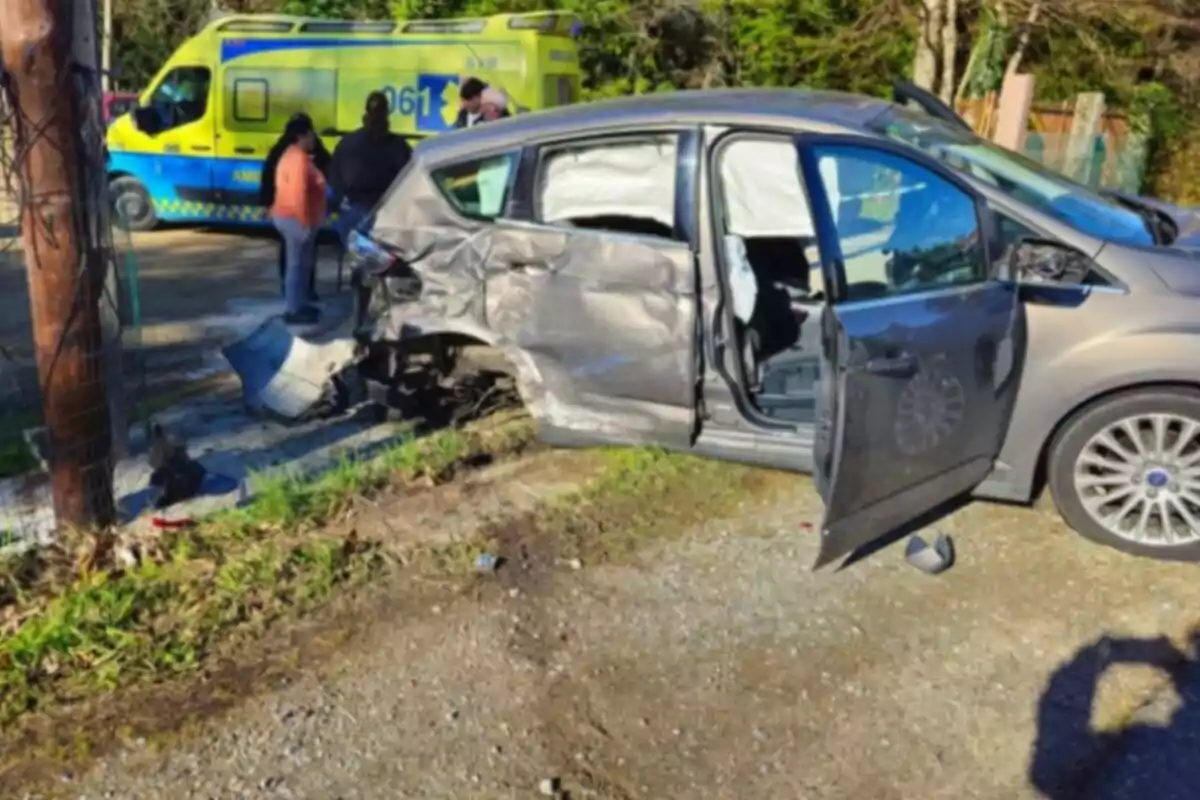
{"x":1012,"y":116}
{"x":1085,"y":127}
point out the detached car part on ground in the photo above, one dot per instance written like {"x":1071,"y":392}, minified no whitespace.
{"x":874,"y":296}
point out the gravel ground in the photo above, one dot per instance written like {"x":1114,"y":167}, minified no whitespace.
{"x":718,"y":666}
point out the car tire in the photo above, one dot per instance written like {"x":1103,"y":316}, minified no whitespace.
{"x":132,"y":207}
{"x":1154,"y":473}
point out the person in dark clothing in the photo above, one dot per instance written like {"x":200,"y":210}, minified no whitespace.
{"x":297,"y":125}
{"x":470,"y":96}
{"x":365,"y":163}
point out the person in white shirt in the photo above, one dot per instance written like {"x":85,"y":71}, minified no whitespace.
{"x":493,"y":104}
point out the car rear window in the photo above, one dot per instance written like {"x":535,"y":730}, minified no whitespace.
{"x":478,"y":188}
{"x":624,"y":185}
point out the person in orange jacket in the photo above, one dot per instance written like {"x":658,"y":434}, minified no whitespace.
{"x":298,"y":213}
{"x":266,"y":191}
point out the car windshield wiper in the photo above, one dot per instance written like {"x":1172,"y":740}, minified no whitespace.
{"x":1159,"y":225}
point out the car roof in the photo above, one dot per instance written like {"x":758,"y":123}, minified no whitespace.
{"x":744,"y":107}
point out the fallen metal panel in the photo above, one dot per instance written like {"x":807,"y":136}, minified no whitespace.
{"x":286,"y":375}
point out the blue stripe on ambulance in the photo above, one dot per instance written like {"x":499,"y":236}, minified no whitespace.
{"x":174,"y":182}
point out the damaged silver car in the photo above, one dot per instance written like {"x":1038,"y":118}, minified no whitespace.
{"x":810,"y":281}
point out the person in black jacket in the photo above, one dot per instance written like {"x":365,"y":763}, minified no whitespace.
{"x":297,"y":125}
{"x":365,"y":163}
{"x":470,"y":96}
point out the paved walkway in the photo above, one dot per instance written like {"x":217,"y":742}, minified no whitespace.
{"x":198,"y":292}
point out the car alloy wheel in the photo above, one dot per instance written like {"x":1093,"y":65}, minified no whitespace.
{"x":1140,"y":479}
{"x":1125,"y":472}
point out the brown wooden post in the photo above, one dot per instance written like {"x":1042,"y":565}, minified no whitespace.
{"x":65,"y":258}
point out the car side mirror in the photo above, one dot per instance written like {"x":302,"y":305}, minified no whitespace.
{"x":147,"y":120}
{"x":1045,"y":261}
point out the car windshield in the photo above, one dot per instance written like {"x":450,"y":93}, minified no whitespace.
{"x":1019,"y":177}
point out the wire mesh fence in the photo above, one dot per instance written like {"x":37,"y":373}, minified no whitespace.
{"x":1113,"y":161}
{"x":1117,"y":158}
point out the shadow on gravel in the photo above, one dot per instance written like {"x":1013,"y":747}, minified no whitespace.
{"x":1071,"y":761}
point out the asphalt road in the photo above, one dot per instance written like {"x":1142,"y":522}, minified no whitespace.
{"x":718,"y":666}
{"x":192,"y":286}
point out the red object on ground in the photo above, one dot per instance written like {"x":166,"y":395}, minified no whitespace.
{"x":170,"y":524}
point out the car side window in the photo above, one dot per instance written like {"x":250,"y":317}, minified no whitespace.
{"x":478,"y":188}
{"x":182,"y":96}
{"x":902,"y":227}
{"x":624,"y":185}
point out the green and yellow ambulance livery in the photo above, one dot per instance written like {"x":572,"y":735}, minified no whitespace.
{"x":193,"y":150}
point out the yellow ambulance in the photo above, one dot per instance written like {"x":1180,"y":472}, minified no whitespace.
{"x":192,"y":151}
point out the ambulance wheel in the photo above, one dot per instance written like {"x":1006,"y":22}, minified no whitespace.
{"x":132,"y":207}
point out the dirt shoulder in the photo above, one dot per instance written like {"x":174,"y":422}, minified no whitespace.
{"x":683,"y":650}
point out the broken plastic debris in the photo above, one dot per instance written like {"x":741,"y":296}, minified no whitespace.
{"x":286,"y":374}
{"x":168,"y":523}
{"x":486,"y":563}
{"x":930,"y":560}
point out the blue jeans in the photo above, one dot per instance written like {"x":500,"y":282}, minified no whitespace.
{"x":349,"y":218}
{"x":300,"y":250}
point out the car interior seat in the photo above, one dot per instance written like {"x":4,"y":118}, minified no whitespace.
{"x":781,"y":271}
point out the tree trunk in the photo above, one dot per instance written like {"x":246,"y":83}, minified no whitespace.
{"x":949,"y":51}
{"x":964,"y":80}
{"x":925,"y":64}
{"x":1014,"y":61}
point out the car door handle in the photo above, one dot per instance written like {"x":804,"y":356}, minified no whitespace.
{"x":900,"y":366}
{"x":201,"y":148}
{"x":245,"y":150}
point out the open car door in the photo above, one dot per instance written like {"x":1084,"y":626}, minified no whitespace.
{"x":905,"y":92}
{"x":922,"y":338}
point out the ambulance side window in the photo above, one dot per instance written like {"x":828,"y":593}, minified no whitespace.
{"x":182,"y":97}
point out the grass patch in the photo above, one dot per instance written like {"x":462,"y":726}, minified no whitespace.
{"x":241,"y":577}
{"x":75,"y":622}
{"x":15,"y":458}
